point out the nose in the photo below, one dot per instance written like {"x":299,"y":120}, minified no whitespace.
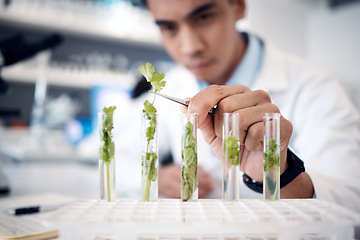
{"x":191,"y":42}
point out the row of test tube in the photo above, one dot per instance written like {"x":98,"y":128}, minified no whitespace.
{"x":231,"y":158}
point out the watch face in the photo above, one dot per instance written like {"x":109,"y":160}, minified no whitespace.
{"x":2,"y":60}
{"x":250,"y":183}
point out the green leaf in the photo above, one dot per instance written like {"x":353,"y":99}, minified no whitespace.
{"x":150,"y":159}
{"x":107,"y":146}
{"x":231,"y":149}
{"x":189,"y":181}
{"x":149,"y":108}
{"x":109,"y":110}
{"x":147,"y":71}
{"x":157,"y":82}
{"x":271,"y":156}
{"x":152,"y":171}
{"x":155,"y":79}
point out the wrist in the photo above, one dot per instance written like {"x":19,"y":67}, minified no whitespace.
{"x":294,"y":167}
{"x":285,"y":165}
{"x":300,"y":187}
{"x":2,"y":60}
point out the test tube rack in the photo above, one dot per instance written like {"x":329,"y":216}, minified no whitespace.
{"x":206,"y":219}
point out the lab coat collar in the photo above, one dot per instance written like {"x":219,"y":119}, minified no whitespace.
{"x":272,"y":76}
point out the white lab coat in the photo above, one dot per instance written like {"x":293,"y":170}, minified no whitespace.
{"x":326,"y":133}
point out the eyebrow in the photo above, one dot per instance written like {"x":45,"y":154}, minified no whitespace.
{"x":200,"y":9}
{"x":193,"y":13}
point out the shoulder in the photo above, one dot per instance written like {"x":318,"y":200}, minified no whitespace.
{"x":300,"y":68}
{"x":296,"y":83}
{"x":282,"y":70}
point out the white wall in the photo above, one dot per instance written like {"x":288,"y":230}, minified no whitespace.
{"x":334,"y":45}
{"x":328,"y":38}
{"x":284,"y":22}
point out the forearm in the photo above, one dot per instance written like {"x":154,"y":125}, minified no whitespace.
{"x":300,"y":187}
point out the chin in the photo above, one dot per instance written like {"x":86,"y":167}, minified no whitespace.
{"x":207,"y":80}
{"x":208,"y":74}
{"x":204,"y":77}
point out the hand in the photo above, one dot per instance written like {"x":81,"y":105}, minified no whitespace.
{"x":170,"y":181}
{"x":251,"y":106}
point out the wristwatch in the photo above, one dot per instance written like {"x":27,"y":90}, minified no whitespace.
{"x":295,"y":167}
{"x":2,"y":60}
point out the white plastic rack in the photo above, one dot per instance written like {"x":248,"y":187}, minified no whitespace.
{"x":205,"y":220}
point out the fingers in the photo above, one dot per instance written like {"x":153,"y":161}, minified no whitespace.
{"x":206,"y":99}
{"x":251,"y":125}
{"x":206,"y":184}
{"x":238,"y":101}
{"x":252,"y":130}
{"x":170,"y":181}
{"x":251,"y":106}
{"x":229,"y":99}
{"x":183,"y":108}
{"x":286,"y":129}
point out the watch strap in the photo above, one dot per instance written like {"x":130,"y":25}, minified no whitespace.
{"x":295,"y":168}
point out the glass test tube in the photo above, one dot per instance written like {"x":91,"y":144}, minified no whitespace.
{"x":271,"y":180}
{"x":231,"y":157}
{"x":149,"y":158}
{"x":189,"y":161}
{"x":106,"y":157}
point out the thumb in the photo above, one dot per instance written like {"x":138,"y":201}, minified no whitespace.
{"x":183,"y":108}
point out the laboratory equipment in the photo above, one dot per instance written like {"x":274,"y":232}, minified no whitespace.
{"x":271,"y":179}
{"x":205,"y":219}
{"x":12,"y":51}
{"x":189,"y":159}
{"x":107,"y":155}
{"x":182,"y":101}
{"x":149,"y":158}
{"x":231,"y":157}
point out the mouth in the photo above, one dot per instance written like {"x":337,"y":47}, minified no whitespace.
{"x":200,"y":67}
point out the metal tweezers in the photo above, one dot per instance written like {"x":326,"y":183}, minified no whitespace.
{"x":181,"y":101}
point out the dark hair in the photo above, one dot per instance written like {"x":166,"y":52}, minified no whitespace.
{"x":144,"y":2}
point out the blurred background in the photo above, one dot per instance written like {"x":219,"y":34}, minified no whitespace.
{"x":86,"y":57}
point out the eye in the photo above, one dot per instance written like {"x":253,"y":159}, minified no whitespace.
{"x":205,"y":17}
{"x":167,"y":28}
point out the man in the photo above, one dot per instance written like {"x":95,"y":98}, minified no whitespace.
{"x":242,"y":73}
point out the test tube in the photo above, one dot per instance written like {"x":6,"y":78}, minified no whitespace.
{"x":231,"y":157}
{"x":189,"y":161}
{"x":271,"y":180}
{"x":106,"y":157}
{"x":149,"y":158}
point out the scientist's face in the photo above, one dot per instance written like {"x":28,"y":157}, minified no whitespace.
{"x":201,"y":35}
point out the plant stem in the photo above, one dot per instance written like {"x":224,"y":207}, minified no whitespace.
{"x":277,"y":183}
{"x":108,"y":181}
{"x":147,"y":180}
{"x":147,"y":185}
{"x":147,"y":188}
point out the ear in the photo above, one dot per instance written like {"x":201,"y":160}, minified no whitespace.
{"x":240,"y":8}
